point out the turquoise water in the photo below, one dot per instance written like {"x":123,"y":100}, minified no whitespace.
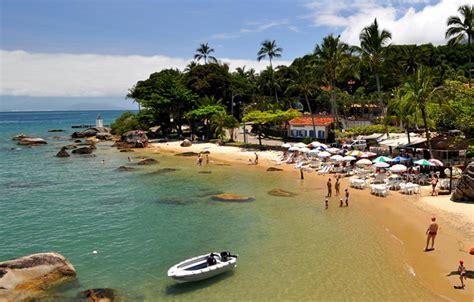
{"x":142,"y":223}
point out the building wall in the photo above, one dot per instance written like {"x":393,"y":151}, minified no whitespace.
{"x":307,"y":131}
{"x":356,"y":123}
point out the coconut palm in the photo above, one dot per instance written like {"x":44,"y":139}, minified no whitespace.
{"x":460,"y":30}
{"x":372,"y":47}
{"x":204,"y":52}
{"x":333,"y":58}
{"x":271,"y":50}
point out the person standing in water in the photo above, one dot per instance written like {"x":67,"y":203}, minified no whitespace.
{"x":329,"y":184}
{"x":431,"y":233}
{"x":199,"y":159}
{"x":347,"y":197}
{"x":207,"y":159}
{"x":326,"y":203}
{"x":337,"y":185}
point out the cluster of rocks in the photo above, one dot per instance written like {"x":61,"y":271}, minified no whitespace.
{"x":31,"y":277}
{"x":26,"y":140}
{"x":465,"y":189}
{"x":101,"y":133}
{"x":132,"y":139}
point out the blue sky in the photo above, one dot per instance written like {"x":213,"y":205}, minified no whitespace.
{"x":94,"y":50}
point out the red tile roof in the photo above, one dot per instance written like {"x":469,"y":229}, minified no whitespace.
{"x":306,"y":121}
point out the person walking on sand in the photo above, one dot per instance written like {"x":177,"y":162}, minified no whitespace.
{"x":326,"y":203}
{"x":434,"y":182}
{"x":256,"y":158}
{"x":431,"y":234}
{"x":337,"y":185}
{"x":347,"y":197}
{"x":329,"y":187}
{"x":462,"y":273}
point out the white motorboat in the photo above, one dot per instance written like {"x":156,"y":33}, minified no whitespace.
{"x":202,"y":267}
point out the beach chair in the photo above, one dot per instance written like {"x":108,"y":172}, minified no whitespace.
{"x":324,"y":170}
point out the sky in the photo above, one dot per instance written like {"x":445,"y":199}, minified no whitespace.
{"x":86,"y":54}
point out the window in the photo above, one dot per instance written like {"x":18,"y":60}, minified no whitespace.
{"x":303,"y":133}
{"x":321,"y":134}
{"x":294,"y":133}
{"x":311,"y":133}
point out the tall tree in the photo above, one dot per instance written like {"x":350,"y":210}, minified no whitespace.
{"x":372,"y":47}
{"x":271,"y":50}
{"x":333,"y":56}
{"x":458,"y":30}
{"x":204,"y":52}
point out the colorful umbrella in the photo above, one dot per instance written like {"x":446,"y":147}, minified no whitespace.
{"x":398,"y":168}
{"x":382,"y":159}
{"x":399,"y":159}
{"x":368,"y":154}
{"x":355,"y":153}
{"x":436,"y":162}
{"x":423,"y":162}
{"x":363,"y":162}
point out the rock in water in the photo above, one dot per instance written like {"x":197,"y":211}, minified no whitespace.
{"x":231,"y":197}
{"x":28,"y":277}
{"x":281,"y":193}
{"x":127,"y":150}
{"x":31,"y":141}
{"x":62,"y":153}
{"x":20,"y":136}
{"x":273,"y":169}
{"x":465,"y":188}
{"x":98,"y":295}
{"x":82,"y":150}
{"x":187,"y":154}
{"x":125,"y":169}
{"x":55,"y":130}
{"x":186,"y":143}
{"x":162,"y":171}
{"x":147,"y":161}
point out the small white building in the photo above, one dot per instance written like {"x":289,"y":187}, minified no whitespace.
{"x":99,"y":122}
{"x":302,"y":127}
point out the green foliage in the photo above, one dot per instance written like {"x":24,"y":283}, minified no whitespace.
{"x":127,"y":121}
{"x":366,"y":130}
{"x":265,"y":117}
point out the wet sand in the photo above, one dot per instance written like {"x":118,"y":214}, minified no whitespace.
{"x":403,"y":218}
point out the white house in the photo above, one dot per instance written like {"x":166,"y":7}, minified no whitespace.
{"x":302,"y":127}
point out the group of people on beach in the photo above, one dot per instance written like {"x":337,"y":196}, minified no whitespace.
{"x":337,"y":187}
{"x":200,"y":159}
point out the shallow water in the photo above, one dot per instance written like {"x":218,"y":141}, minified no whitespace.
{"x":141,"y":223}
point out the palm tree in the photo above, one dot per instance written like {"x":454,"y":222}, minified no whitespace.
{"x":304,"y":84}
{"x":333,"y":57}
{"x":403,"y":110}
{"x":203,"y":52}
{"x":271,"y":50}
{"x":372,"y":48}
{"x":458,"y":30}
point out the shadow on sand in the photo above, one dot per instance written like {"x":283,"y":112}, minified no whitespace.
{"x":182,"y":288}
{"x":469,"y":274}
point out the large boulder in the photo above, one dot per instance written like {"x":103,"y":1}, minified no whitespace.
{"x":147,"y":161}
{"x":31,"y":141}
{"x":62,"y":153}
{"x":90,"y":132}
{"x":104,"y":136}
{"x":82,"y":150}
{"x":30,"y":276}
{"x":134,"y":139}
{"x":20,"y":136}
{"x":465,"y":188}
{"x":98,"y":295}
{"x":186,"y":143}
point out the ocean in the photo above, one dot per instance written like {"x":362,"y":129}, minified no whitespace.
{"x":141,"y":223}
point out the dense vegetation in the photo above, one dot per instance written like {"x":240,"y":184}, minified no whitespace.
{"x":404,"y":86}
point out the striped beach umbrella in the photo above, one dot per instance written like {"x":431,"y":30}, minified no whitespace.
{"x":423,"y":162}
{"x":382,"y":159}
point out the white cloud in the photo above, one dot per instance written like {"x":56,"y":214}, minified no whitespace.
{"x":252,"y":27}
{"x":407,"y":25}
{"x":86,"y":75}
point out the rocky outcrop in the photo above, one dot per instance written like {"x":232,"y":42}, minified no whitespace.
{"x":281,"y":193}
{"x":78,"y":141}
{"x":28,"y":277}
{"x":127,"y":150}
{"x":273,"y":169}
{"x":186,"y":143}
{"x":98,"y":295}
{"x":62,"y":153}
{"x":70,"y":146}
{"x":133,"y":139}
{"x":104,"y":136}
{"x":465,"y":188}
{"x":20,"y":136}
{"x":147,"y":161}
{"x":231,"y":197}
{"x":31,"y":141}
{"x":82,"y":150}
{"x":90,"y":132}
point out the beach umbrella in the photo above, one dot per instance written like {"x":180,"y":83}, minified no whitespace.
{"x":399,"y":168}
{"x":381,"y":165}
{"x":315,"y":144}
{"x":336,"y":157}
{"x":348,"y":158}
{"x":324,"y":154}
{"x":293,"y":149}
{"x":423,"y":162}
{"x":456,"y":171}
{"x":355,"y":153}
{"x":334,"y":150}
{"x":399,"y":159}
{"x":436,"y":162}
{"x":314,"y":151}
{"x":305,"y":150}
{"x":286,"y":145}
{"x":368,"y":154}
{"x":300,"y":145}
{"x":382,"y":159}
{"x":363,"y":162}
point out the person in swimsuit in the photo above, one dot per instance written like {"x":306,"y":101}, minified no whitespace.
{"x":329,"y":187}
{"x":347,"y":197}
{"x":431,"y":233}
{"x":337,"y":185}
{"x":256,"y":158}
{"x":462,"y":272}
{"x":340,"y":203}
{"x":199,"y":159}
{"x":434,"y":182}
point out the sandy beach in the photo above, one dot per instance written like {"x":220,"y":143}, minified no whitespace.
{"x":403,"y":218}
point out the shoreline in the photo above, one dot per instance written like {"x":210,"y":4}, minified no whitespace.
{"x":404,"y":218}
